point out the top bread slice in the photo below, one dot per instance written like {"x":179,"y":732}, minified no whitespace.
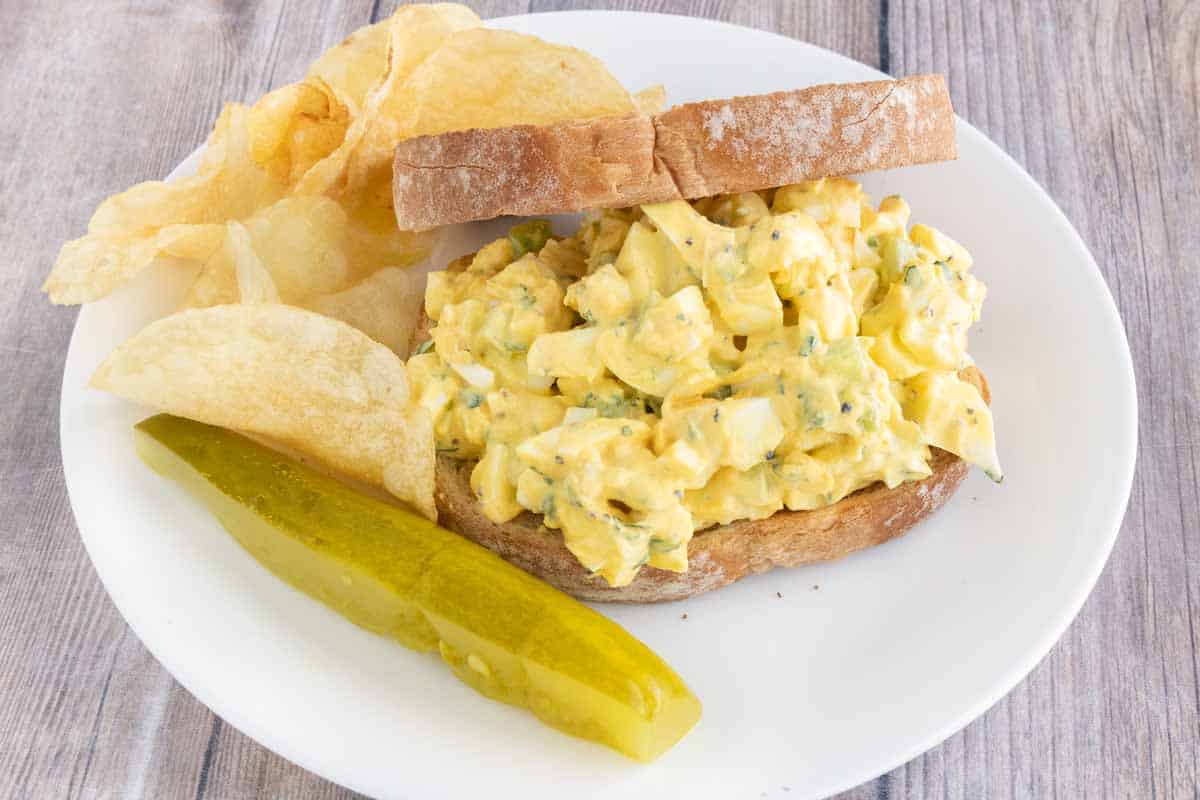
{"x":694,"y":150}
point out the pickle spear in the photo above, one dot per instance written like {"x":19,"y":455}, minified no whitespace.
{"x":503,"y":632}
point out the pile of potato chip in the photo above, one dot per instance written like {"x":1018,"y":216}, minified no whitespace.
{"x":289,"y":220}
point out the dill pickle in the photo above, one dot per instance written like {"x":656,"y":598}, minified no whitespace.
{"x":505,"y":633}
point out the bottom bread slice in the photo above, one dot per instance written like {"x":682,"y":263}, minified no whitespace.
{"x":717,"y":556}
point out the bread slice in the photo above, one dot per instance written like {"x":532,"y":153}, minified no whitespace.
{"x":693,"y":150}
{"x":717,"y":556}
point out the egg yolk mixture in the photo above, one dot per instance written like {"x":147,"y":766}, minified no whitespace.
{"x":681,"y":365}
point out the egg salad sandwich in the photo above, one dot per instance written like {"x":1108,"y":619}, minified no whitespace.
{"x":736,"y":362}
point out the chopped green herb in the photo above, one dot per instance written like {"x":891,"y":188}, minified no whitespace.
{"x":529,"y":237}
{"x":723,"y":392}
{"x":424,"y":347}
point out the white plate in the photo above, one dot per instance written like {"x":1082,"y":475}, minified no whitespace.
{"x":814,"y":691}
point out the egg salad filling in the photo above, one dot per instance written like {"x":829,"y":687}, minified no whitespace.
{"x":681,"y":365}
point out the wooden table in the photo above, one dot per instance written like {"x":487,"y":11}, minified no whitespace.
{"x":1101,"y":104}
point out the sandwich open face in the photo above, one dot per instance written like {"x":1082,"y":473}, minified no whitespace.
{"x":686,"y":391}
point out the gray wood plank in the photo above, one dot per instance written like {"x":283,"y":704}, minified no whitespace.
{"x":1100,"y":103}
{"x":97,"y":97}
{"x":484,"y":8}
{"x":848,"y":27}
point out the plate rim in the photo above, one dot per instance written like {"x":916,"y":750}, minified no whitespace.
{"x":1002,"y":685}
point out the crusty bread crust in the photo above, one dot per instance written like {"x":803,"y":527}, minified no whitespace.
{"x":717,"y":556}
{"x":693,"y":150}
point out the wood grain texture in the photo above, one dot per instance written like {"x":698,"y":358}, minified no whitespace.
{"x":1100,"y":101}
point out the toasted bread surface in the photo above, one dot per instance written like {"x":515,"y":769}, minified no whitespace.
{"x":693,"y":150}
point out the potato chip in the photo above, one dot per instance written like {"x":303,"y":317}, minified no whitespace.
{"x":353,"y":67}
{"x":294,"y":127}
{"x":130,"y":230}
{"x":288,"y":251}
{"x":373,"y":239}
{"x":307,"y":169}
{"x":215,"y":283}
{"x":482,"y":78}
{"x":232,"y":274}
{"x":92,"y":266}
{"x":240,"y":186}
{"x":385,"y":306}
{"x":312,"y":383}
{"x":420,"y":30}
{"x":254,"y":282}
{"x":251,"y":159}
{"x":414,"y":33}
{"x":487,"y":78}
{"x":651,"y":99}
{"x":494,"y":78}
{"x":306,"y":246}
{"x":301,"y":241}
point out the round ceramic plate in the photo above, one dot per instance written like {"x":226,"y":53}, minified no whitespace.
{"x":814,"y":679}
